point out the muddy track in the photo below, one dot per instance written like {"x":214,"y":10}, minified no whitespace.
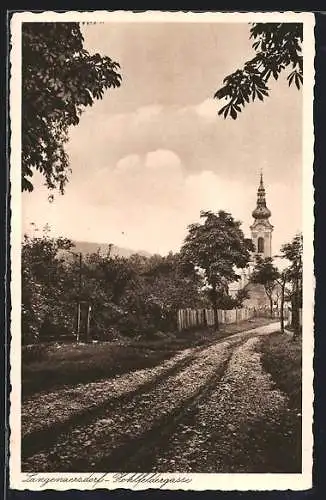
{"x":41,"y":440}
{"x":138,"y":454}
{"x":132,"y":453}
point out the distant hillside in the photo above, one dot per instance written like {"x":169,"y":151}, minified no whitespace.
{"x":86,"y":247}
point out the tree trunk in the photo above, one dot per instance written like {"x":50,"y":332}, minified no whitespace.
{"x":271,"y":306}
{"x":214,"y":304}
{"x":295,"y":313}
{"x":269,"y":294}
{"x":78,"y":322}
{"x":282,"y":305}
{"x":88,"y":338}
{"x":205,"y":317}
{"x":216,"y":323}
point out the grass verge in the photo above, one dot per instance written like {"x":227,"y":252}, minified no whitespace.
{"x":282,"y":358}
{"x":55,"y":366}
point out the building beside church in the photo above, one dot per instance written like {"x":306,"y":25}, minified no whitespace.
{"x":261,"y":236}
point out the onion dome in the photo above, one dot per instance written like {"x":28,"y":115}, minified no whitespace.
{"x":261,"y":211}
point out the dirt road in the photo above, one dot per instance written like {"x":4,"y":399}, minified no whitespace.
{"x":208,"y":409}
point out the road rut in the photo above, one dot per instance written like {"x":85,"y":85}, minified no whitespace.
{"x":132,"y":429}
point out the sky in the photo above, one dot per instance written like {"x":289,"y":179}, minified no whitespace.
{"x":153,"y":153}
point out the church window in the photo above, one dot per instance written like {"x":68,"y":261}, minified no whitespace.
{"x":260,"y":245}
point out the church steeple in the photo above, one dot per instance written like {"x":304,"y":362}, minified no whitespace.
{"x":261,"y":229}
{"x":261,"y":211}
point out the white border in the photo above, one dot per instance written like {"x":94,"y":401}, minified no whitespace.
{"x":241,"y":482}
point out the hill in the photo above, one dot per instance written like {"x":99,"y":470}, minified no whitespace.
{"x":86,"y":247}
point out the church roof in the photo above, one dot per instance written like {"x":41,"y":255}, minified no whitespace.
{"x":261,"y":211}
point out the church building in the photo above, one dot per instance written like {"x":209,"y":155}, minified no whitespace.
{"x":261,"y":235}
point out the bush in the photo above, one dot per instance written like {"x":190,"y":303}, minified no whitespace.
{"x":111,"y":334}
{"x":159,"y":335}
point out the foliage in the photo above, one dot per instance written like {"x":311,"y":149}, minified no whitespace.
{"x":217,"y":247}
{"x":242,"y":295}
{"x":225,"y":301}
{"x":104,"y":280}
{"x":44,"y":280}
{"x":131,"y":296}
{"x":59,"y":80}
{"x":293,"y":252}
{"x":277,"y":47}
{"x":162,"y":287}
{"x":266,"y":274}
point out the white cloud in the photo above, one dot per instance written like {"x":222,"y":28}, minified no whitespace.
{"x":147,"y":202}
{"x":201,"y":139}
{"x":126,"y":164}
{"x":146,"y":113}
{"x":162,"y":158}
{"x":207,"y":110}
{"x":148,"y":157}
{"x":154,"y":178}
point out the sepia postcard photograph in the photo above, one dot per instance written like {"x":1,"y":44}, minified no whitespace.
{"x":162,"y":282}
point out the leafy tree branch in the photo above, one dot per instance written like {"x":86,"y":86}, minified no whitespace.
{"x":59,"y":80}
{"x":278,"y":48}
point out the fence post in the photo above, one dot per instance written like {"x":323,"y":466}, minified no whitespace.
{"x":78,"y":322}
{"x":88,"y":323}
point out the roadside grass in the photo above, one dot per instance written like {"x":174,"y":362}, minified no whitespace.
{"x":72,"y":364}
{"x":282,"y":358}
{"x":48,"y":367}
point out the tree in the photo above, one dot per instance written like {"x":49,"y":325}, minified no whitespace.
{"x":293,"y":252}
{"x":283,"y":279}
{"x":241,"y":296}
{"x":165,"y":286}
{"x":277,"y":47}
{"x":132,"y":296}
{"x":105,"y":281}
{"x":266,"y":274}
{"x":46,"y":307}
{"x":59,"y":80}
{"x":216,"y":247}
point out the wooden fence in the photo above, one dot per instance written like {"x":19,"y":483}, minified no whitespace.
{"x":189,"y":318}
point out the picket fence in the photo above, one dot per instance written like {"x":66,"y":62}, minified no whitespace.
{"x":188,"y":318}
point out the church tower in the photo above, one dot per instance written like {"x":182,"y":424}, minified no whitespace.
{"x":261,"y":229}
